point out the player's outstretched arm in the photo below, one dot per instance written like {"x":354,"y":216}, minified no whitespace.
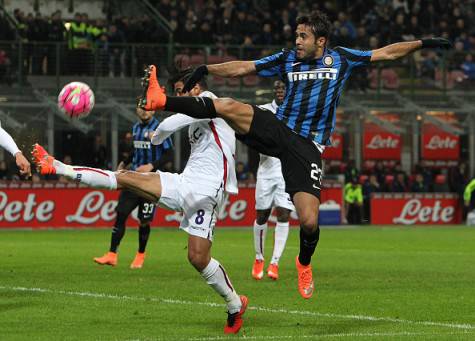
{"x":171,"y":124}
{"x":398,"y":50}
{"x":7,"y":142}
{"x":228,"y":69}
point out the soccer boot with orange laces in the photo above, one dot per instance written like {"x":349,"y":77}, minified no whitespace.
{"x":305,"y":279}
{"x":138,"y":261}
{"x":153,"y":96}
{"x":273,"y":271}
{"x":258,"y":269}
{"x":234,"y":322}
{"x":110,"y":258}
{"x":43,"y":161}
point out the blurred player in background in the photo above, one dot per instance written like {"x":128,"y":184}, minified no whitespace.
{"x":145,"y":157}
{"x":270,"y":192}
{"x":7,"y":142}
{"x":297,"y":134}
{"x":198,"y":192}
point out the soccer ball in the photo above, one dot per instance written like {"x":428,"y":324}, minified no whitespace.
{"x":76,"y":100}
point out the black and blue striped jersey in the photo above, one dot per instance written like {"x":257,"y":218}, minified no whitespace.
{"x":313,"y":88}
{"x":144,"y":151}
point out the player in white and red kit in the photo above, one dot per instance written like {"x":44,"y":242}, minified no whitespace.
{"x":198,"y":192}
{"x":270,"y":192}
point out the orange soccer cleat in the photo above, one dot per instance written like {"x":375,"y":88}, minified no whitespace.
{"x":138,"y":261}
{"x":110,"y":258}
{"x":273,"y":271}
{"x":258,"y":269}
{"x":305,"y":279}
{"x":43,"y":161}
{"x":234,"y":322}
{"x":153,"y":97}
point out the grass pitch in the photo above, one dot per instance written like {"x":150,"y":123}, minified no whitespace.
{"x":371,"y":283}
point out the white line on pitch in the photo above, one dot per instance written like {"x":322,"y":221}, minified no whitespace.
{"x":261,"y":309}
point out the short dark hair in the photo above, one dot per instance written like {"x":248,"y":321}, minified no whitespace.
{"x":318,"y":22}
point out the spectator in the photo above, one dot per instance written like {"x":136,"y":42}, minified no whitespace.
{"x":4,"y":172}
{"x":117,"y":52}
{"x":351,"y":172}
{"x":353,"y":202}
{"x":5,"y":63}
{"x":242,"y":172}
{"x":370,"y":186}
{"x":418,"y":186}
{"x":399,"y":183}
{"x":468,"y":67}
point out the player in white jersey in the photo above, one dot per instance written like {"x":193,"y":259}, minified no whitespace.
{"x":270,"y":192}
{"x":198,"y":192}
{"x":7,"y":142}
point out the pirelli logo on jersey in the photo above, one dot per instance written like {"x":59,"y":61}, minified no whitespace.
{"x":142,"y":144}
{"x":323,"y":73}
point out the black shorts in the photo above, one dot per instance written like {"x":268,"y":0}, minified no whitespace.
{"x":128,"y":201}
{"x":301,"y":160}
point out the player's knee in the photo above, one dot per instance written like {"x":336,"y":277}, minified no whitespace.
{"x":282,"y":215}
{"x":309,"y":222}
{"x":199,"y":260}
{"x":225,"y":106}
{"x":262,"y":217}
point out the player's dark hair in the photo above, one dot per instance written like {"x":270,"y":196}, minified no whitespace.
{"x":183,"y":76}
{"x":318,"y":23}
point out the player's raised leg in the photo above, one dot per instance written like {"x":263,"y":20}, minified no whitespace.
{"x":146,"y":185}
{"x":217,"y":278}
{"x":238,"y":115}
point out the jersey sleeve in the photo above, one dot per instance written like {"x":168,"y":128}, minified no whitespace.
{"x":271,"y":65}
{"x":355,"y":58}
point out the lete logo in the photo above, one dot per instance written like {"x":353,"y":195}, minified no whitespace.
{"x":92,"y":208}
{"x":413,"y":212}
{"x":437,"y":142}
{"x":379,"y":142}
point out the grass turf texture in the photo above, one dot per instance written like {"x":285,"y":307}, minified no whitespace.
{"x":371,"y":283}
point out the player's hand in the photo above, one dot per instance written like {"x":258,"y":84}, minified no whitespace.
{"x":23,"y":164}
{"x":436,"y":43}
{"x":195,"y":77}
{"x":144,"y":168}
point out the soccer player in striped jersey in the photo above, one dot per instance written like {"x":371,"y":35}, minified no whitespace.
{"x":270,"y":192}
{"x":145,"y":158}
{"x":198,"y":192}
{"x":315,"y":75}
{"x":7,"y":142}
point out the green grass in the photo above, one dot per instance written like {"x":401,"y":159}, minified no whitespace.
{"x":372,"y":283}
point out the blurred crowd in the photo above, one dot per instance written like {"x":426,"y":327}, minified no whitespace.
{"x":393,"y":179}
{"x":364,"y":24}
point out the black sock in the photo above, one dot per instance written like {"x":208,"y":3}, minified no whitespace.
{"x":197,"y":107}
{"x":144,"y":233}
{"x":308,"y":244}
{"x":118,"y":231}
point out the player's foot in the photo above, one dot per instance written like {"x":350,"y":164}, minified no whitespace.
{"x":305,"y":279}
{"x":273,"y":271}
{"x":43,"y":161}
{"x":234,"y":322}
{"x":153,"y":97}
{"x":138,"y":261}
{"x":110,"y":258}
{"x":258,"y":269}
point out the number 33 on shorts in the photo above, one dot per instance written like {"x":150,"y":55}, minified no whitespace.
{"x":316,"y":174}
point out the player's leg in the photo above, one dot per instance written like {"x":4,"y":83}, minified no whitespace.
{"x":146,"y":185}
{"x":145,"y":215}
{"x":260,"y":233}
{"x":281,"y":234}
{"x":126,"y":204}
{"x":238,"y":115}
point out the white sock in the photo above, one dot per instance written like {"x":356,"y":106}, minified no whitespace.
{"x":280,"y":238}
{"x":216,"y":277}
{"x":260,"y":232}
{"x":93,"y":177}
